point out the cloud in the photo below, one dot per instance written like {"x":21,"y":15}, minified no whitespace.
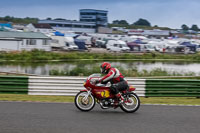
{"x":78,"y":2}
{"x":172,"y":13}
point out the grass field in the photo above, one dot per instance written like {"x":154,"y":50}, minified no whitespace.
{"x":42,"y":56}
{"x":150,"y":100}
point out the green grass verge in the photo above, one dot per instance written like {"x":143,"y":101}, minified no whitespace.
{"x":42,"y":56}
{"x":133,"y":72}
{"x":150,"y":100}
{"x":171,"y":100}
{"x":24,"y":97}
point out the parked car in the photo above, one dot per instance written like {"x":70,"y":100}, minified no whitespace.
{"x":159,"y":46}
{"x":147,"y":47}
{"x":86,"y":39}
{"x":117,"y":46}
{"x":63,"y":43}
{"x":100,"y":44}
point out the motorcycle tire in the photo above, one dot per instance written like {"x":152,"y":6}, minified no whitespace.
{"x":135,"y":101}
{"x":82,"y":103}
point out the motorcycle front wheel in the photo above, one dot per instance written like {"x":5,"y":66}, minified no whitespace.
{"x":131,"y":104}
{"x":84,"y":102}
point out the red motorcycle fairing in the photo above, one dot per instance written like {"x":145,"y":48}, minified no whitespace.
{"x":131,"y":88}
{"x":102,"y":92}
{"x":99,"y":91}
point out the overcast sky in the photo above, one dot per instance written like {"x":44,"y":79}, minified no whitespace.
{"x":165,"y":13}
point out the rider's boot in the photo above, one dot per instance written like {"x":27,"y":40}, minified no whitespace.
{"x":120,"y":97}
{"x":118,"y":101}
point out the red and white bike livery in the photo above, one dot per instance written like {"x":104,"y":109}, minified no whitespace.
{"x":86,"y":99}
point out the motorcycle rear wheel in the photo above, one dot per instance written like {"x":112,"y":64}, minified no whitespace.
{"x":84,"y":102}
{"x":132,"y":104}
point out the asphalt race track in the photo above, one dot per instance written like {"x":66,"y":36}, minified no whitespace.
{"x":27,"y":117}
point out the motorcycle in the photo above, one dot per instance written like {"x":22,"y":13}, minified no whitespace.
{"x":86,"y":99}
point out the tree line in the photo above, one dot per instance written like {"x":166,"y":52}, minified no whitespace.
{"x":140,"y":23}
{"x":26,"y":20}
{"x":143,"y":23}
{"x":194,"y":27}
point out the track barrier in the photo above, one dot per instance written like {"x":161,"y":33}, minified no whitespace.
{"x":70,"y":86}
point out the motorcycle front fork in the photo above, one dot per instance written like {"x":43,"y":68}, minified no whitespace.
{"x":86,"y":96}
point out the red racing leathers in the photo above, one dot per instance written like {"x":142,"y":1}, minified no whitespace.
{"x":114,"y":76}
{"x":116,"y":79}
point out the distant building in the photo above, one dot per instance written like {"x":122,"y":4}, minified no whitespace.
{"x":105,"y":30}
{"x":99,"y":17}
{"x":135,"y":31}
{"x":156,"y":33}
{"x":69,"y":25}
{"x":123,"y":29}
{"x":18,"y":41}
{"x":43,"y":28}
{"x":149,"y":33}
{"x":90,"y":21}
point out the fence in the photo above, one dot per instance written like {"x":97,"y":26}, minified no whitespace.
{"x":70,"y":86}
{"x":10,"y":84}
{"x":172,"y":87}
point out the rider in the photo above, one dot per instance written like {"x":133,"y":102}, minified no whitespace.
{"x":116,"y":79}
